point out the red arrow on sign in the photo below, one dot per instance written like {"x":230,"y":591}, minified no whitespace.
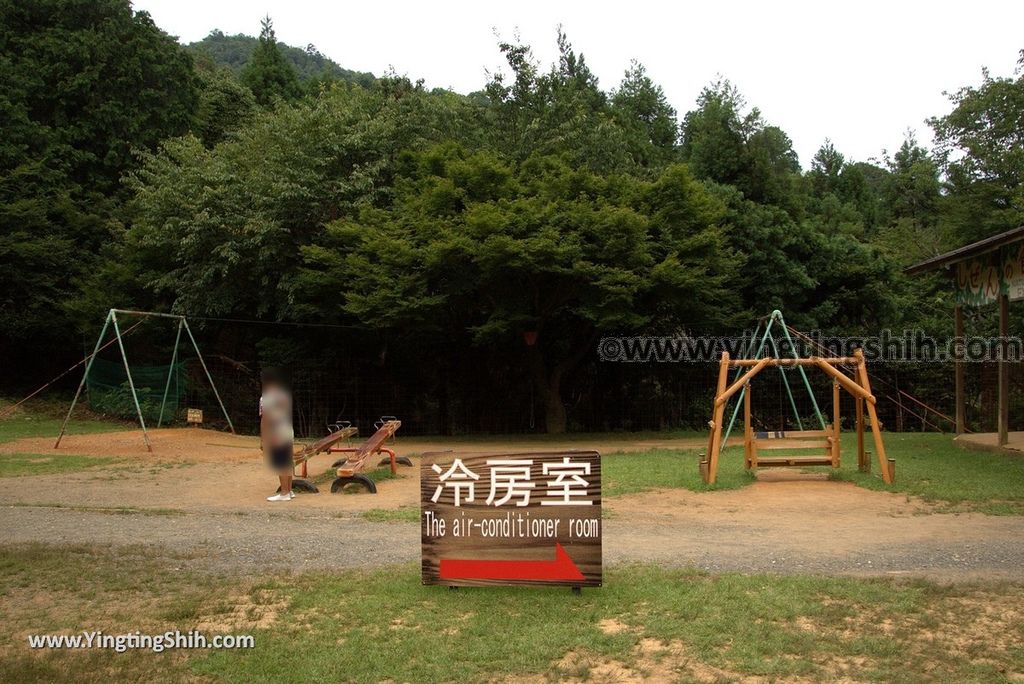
{"x":561,"y":569}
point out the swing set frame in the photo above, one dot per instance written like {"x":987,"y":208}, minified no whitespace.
{"x":111,"y":321}
{"x":826,"y":440}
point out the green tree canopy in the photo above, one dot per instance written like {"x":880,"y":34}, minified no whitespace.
{"x":267,"y":73}
{"x":217,"y":231}
{"x":981,"y":146}
{"x":488,"y":248}
{"x":86,"y":84}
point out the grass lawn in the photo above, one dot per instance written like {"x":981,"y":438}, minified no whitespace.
{"x":371,"y":626}
{"x":40,"y":421}
{"x":932,"y":467}
{"x":14,"y":465}
{"x":388,"y":515}
{"x":18,"y":426}
{"x":928,"y":465}
{"x":43,"y":419}
{"x":630,"y":473}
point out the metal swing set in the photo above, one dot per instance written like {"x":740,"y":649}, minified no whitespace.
{"x":818,"y":446}
{"x":111,"y":321}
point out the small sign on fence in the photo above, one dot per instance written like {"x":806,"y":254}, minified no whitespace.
{"x":515,"y":519}
{"x":194,"y":416}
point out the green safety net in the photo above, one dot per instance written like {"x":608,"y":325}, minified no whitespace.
{"x":110,"y":394}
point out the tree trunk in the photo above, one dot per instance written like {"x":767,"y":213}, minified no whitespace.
{"x":549,"y":383}
{"x":554,"y":409}
{"x":442,"y":402}
{"x":549,"y":390}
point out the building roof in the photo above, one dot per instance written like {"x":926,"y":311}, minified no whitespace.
{"x":989,"y":244}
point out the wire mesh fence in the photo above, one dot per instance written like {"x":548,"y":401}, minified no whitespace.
{"x":359,"y":376}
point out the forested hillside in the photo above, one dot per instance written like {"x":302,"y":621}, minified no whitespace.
{"x":234,"y":52}
{"x":239,"y":178}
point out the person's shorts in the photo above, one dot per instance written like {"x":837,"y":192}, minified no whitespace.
{"x":281,"y":457}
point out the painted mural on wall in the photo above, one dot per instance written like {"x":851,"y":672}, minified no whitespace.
{"x":980,"y":280}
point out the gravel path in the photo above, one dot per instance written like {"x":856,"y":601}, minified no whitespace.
{"x":203,"y":494}
{"x":258,"y":541}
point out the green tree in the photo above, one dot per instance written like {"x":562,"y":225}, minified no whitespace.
{"x":773,"y":173}
{"x":219,"y":230}
{"x":224,"y":104}
{"x":980,"y":145}
{"x":86,"y":85}
{"x":561,"y":111}
{"x":826,"y":169}
{"x":713,"y":138}
{"x":267,"y":73}
{"x":914,"y":190}
{"x":775,"y":249}
{"x":489,"y":249}
{"x":723,"y":144}
{"x":640,"y":104}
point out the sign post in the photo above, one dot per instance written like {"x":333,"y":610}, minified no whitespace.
{"x":517,"y":519}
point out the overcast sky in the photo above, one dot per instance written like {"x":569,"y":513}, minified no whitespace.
{"x":860,"y":73}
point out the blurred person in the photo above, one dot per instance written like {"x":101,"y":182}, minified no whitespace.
{"x":276,"y":433}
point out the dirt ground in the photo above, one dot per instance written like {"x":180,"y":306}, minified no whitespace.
{"x":204,"y":492}
{"x":199,"y":470}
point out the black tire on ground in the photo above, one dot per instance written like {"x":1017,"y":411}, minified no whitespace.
{"x":340,"y":483}
{"x":300,"y":485}
{"x":400,"y":460}
{"x":337,"y":464}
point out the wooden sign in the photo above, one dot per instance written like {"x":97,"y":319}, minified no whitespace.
{"x":525,"y":519}
{"x":194,"y":416}
{"x":981,"y":279}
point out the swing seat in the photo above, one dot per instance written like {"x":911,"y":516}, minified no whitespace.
{"x":822,"y":441}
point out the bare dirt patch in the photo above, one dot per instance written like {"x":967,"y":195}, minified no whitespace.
{"x":197,"y":469}
{"x":612,"y":626}
{"x":652,"y":660}
{"x":243,"y":611}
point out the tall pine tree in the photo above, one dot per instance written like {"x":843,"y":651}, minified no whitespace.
{"x":267,"y":73}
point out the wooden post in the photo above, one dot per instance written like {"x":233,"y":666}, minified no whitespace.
{"x":958,"y":370}
{"x":876,"y":430}
{"x":851,"y":386}
{"x":748,"y":431}
{"x":863,"y":464}
{"x":716,"y":422}
{"x":1004,"y":370}
{"x":726,"y":394}
{"x":835,"y":424}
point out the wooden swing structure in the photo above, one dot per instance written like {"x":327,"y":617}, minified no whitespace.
{"x":819,"y":447}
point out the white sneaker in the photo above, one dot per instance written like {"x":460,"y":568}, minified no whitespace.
{"x":279,"y":497}
{"x":291,"y":494}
